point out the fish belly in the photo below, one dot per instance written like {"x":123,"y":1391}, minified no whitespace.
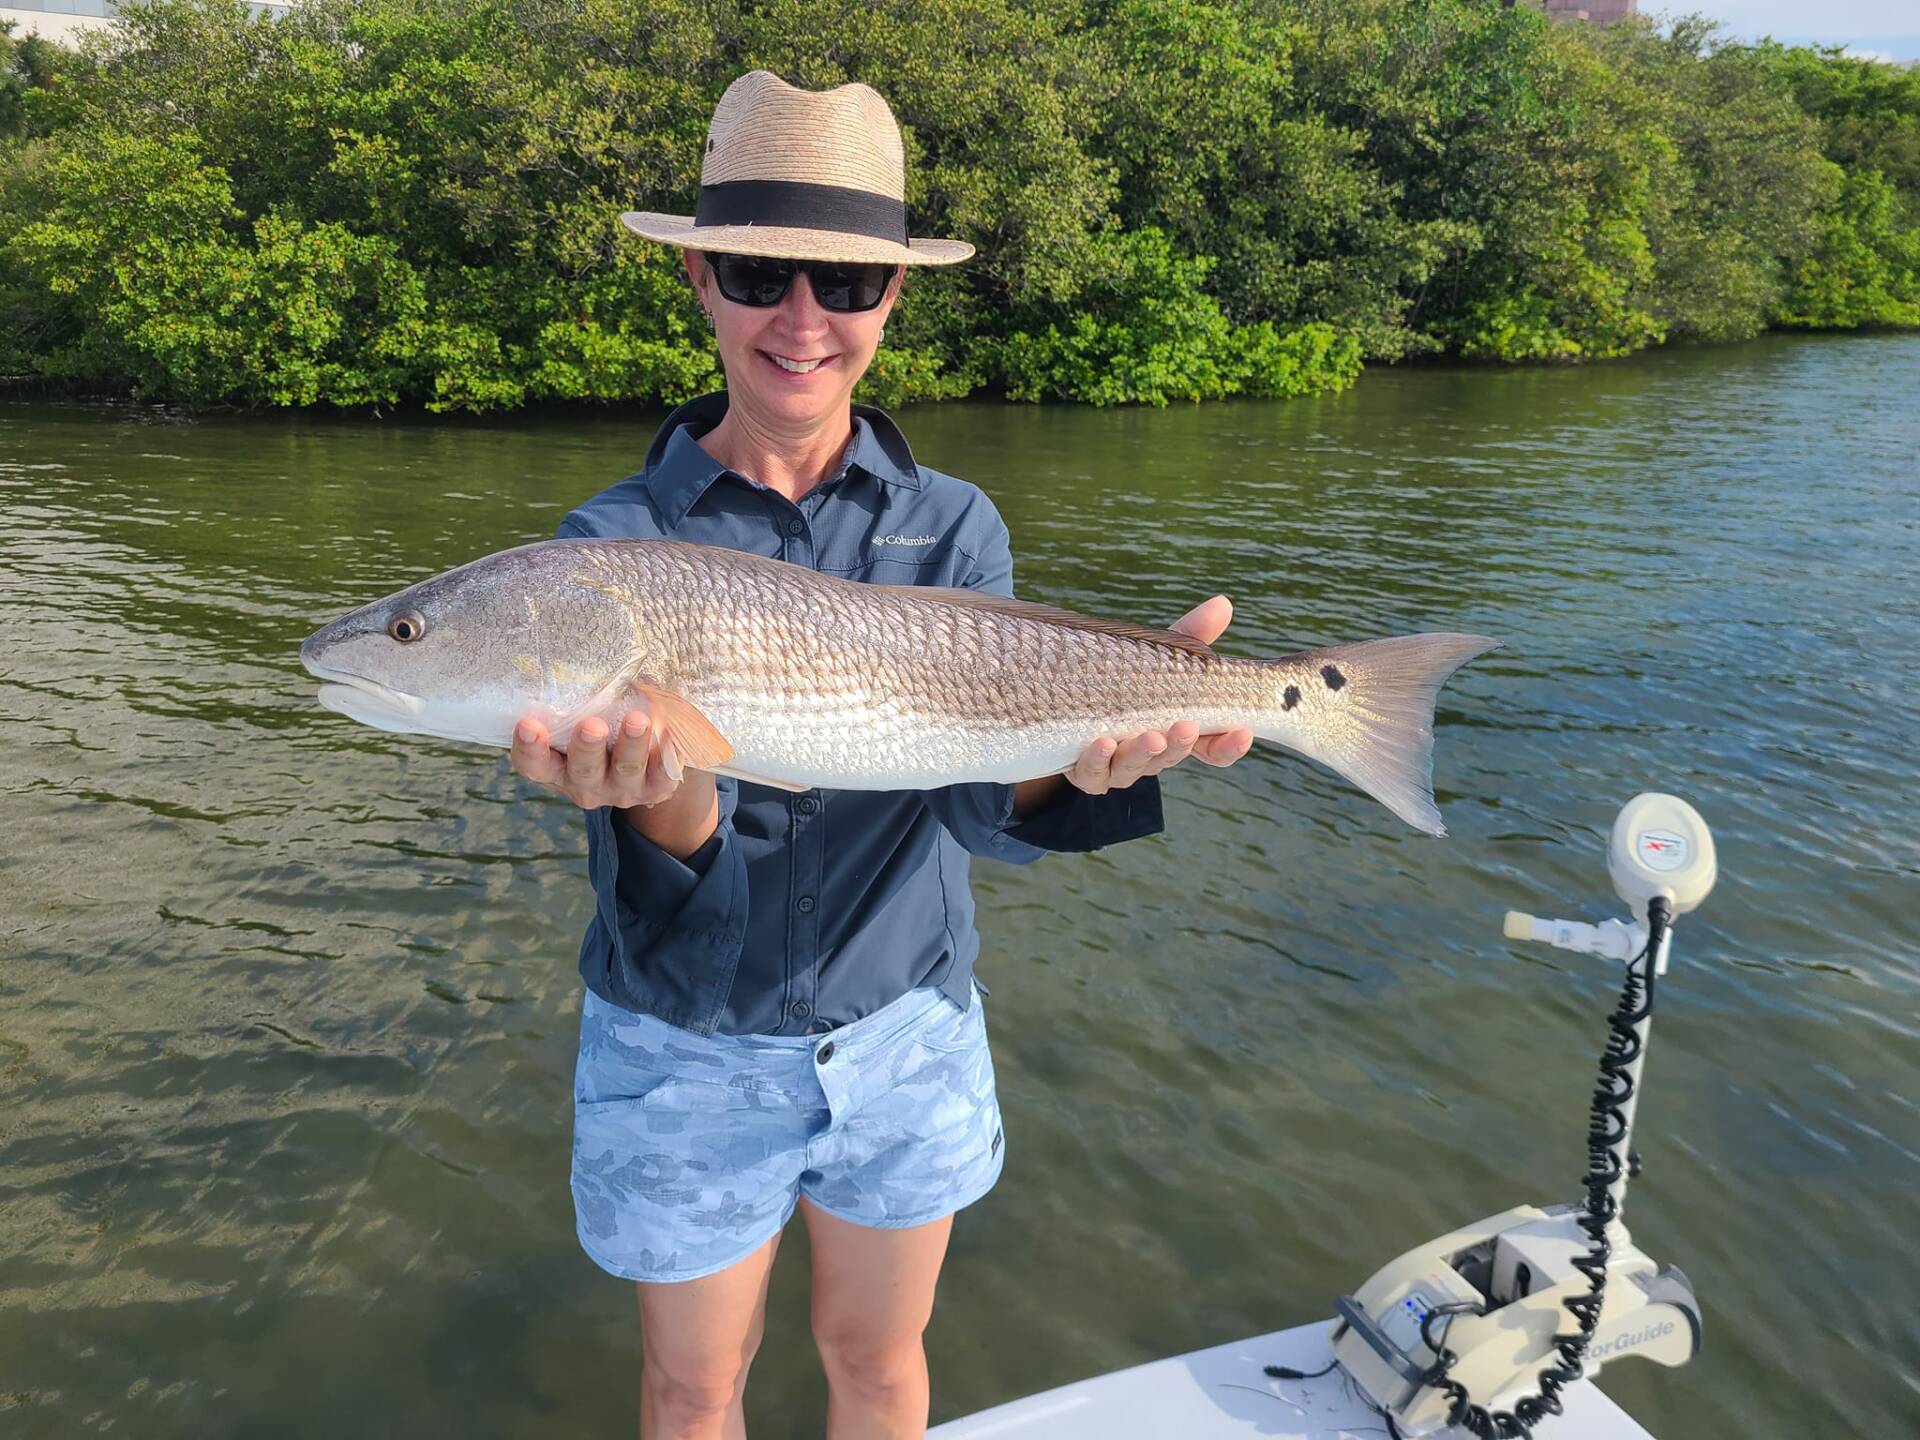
{"x":890,"y":748}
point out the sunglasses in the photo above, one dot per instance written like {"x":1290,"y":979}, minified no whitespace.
{"x":844,"y":286}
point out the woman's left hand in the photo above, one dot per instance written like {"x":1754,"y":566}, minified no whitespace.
{"x":1114,"y":764}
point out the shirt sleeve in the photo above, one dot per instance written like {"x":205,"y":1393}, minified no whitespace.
{"x":980,"y":816}
{"x":664,"y":914}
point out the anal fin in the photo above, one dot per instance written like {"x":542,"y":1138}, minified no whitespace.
{"x":736,"y":773}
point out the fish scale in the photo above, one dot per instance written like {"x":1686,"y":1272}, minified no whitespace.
{"x":778,"y":673}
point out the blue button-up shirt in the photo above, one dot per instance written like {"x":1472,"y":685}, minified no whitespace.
{"x":807,"y":911}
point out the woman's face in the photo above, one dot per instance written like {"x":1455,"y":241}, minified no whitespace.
{"x":796,"y":330}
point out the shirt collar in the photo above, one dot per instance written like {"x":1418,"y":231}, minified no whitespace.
{"x":679,"y":471}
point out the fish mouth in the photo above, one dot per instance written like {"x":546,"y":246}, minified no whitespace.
{"x":359,"y":698}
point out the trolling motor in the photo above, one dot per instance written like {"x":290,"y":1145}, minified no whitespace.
{"x":1477,"y":1333}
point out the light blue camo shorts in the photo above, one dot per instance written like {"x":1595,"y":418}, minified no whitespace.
{"x":690,"y":1152}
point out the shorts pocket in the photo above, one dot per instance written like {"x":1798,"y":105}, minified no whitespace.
{"x":622,"y":1059}
{"x":949,"y":1029}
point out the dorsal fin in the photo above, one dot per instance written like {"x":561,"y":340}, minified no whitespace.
{"x":1050,"y":614}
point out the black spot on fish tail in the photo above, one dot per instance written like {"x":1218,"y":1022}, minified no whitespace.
{"x":1291,"y":698}
{"x":1331,"y":674}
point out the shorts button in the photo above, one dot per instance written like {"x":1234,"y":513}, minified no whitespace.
{"x":807,"y":805}
{"x":802,"y":1009}
{"x":824,"y":1053}
{"x":805,"y":905}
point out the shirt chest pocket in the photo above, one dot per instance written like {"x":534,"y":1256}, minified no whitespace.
{"x":883,"y":567}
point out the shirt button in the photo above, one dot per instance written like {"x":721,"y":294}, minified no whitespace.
{"x":801,"y":1009}
{"x":796,"y":527}
{"x":807,"y":805}
{"x":824,"y":1053}
{"x":805,"y":905}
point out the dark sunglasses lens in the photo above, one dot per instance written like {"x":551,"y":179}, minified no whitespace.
{"x":752,"y":279}
{"x":849,"y":287}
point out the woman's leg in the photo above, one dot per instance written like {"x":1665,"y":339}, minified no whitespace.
{"x":697,"y":1338}
{"x":872,"y":1298}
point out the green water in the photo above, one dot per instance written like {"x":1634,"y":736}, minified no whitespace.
{"x":288,"y":1007}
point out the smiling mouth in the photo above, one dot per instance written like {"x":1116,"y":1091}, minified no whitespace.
{"x":798,"y":367}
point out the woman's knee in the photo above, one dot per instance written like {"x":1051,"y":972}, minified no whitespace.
{"x":690,"y":1381}
{"x":691,"y":1391}
{"x":869,"y":1365}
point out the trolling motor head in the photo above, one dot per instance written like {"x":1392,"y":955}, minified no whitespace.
{"x":1661,"y":846}
{"x":1476,"y":1333}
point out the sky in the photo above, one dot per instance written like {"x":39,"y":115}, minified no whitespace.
{"x":1887,"y":28}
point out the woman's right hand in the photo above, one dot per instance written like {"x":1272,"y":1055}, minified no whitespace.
{"x":676,"y":809}
{"x":590,"y":774}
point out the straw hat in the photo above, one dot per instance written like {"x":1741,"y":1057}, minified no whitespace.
{"x":801,"y":175}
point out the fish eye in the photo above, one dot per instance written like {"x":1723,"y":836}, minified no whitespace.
{"x":406,"y":628}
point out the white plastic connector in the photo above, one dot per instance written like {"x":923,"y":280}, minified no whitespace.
{"x":1614,"y":939}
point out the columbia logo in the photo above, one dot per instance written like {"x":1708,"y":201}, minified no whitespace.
{"x":905,"y":539}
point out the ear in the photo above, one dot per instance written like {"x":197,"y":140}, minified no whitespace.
{"x":894,"y":287}
{"x":697,"y":272}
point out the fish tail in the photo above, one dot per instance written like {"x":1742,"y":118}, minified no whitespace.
{"x":1366,"y":711}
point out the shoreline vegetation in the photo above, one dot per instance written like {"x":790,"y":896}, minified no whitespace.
{"x":413,"y":203}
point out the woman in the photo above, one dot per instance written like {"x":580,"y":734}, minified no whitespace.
{"x":780,"y":1009}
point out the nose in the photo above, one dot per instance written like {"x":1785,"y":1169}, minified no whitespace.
{"x":800,"y":311}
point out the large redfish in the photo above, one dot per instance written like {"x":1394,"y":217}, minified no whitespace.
{"x":782,"y":676}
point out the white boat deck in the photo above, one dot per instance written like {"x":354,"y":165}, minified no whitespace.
{"x":1223,"y":1394}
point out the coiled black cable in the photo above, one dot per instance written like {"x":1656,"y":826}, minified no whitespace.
{"x":1606,"y":1123}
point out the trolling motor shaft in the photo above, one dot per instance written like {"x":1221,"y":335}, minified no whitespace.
{"x":1478,"y":1331}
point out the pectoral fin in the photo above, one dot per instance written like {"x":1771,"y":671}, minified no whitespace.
{"x":693,"y":737}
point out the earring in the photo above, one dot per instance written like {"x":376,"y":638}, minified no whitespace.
{"x":709,"y":315}
{"x":881,"y":339}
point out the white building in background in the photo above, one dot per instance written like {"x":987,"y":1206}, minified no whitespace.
{"x":65,"y":19}
{"x":1595,"y":12}
{"x":55,"y":19}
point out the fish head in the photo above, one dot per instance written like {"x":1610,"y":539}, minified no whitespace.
{"x":464,"y":655}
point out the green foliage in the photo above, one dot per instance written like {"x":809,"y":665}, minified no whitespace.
{"x":189,"y":301}
{"x":1865,"y":269}
{"x":1869,"y":111}
{"x":1220,"y":137}
{"x":30,"y":67}
{"x":1149,"y":332}
{"x":414,"y":202}
{"x":1740,"y":183}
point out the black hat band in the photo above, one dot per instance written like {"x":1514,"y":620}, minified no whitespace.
{"x":801,"y":205}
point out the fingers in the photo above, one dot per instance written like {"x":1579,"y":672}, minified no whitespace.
{"x":632,"y":749}
{"x":1107,"y":764}
{"x":587,"y":758}
{"x":1135,"y":758}
{"x":1151,"y":753}
{"x":1207,"y":621}
{"x":1224,"y":748}
{"x":533,"y":758}
{"x":1092,"y":771}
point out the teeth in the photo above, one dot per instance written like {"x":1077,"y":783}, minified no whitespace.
{"x":798,"y":367}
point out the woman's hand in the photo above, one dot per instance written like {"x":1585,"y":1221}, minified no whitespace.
{"x":1114,"y":764}
{"x":590,"y":774}
{"x":676,"y":809}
